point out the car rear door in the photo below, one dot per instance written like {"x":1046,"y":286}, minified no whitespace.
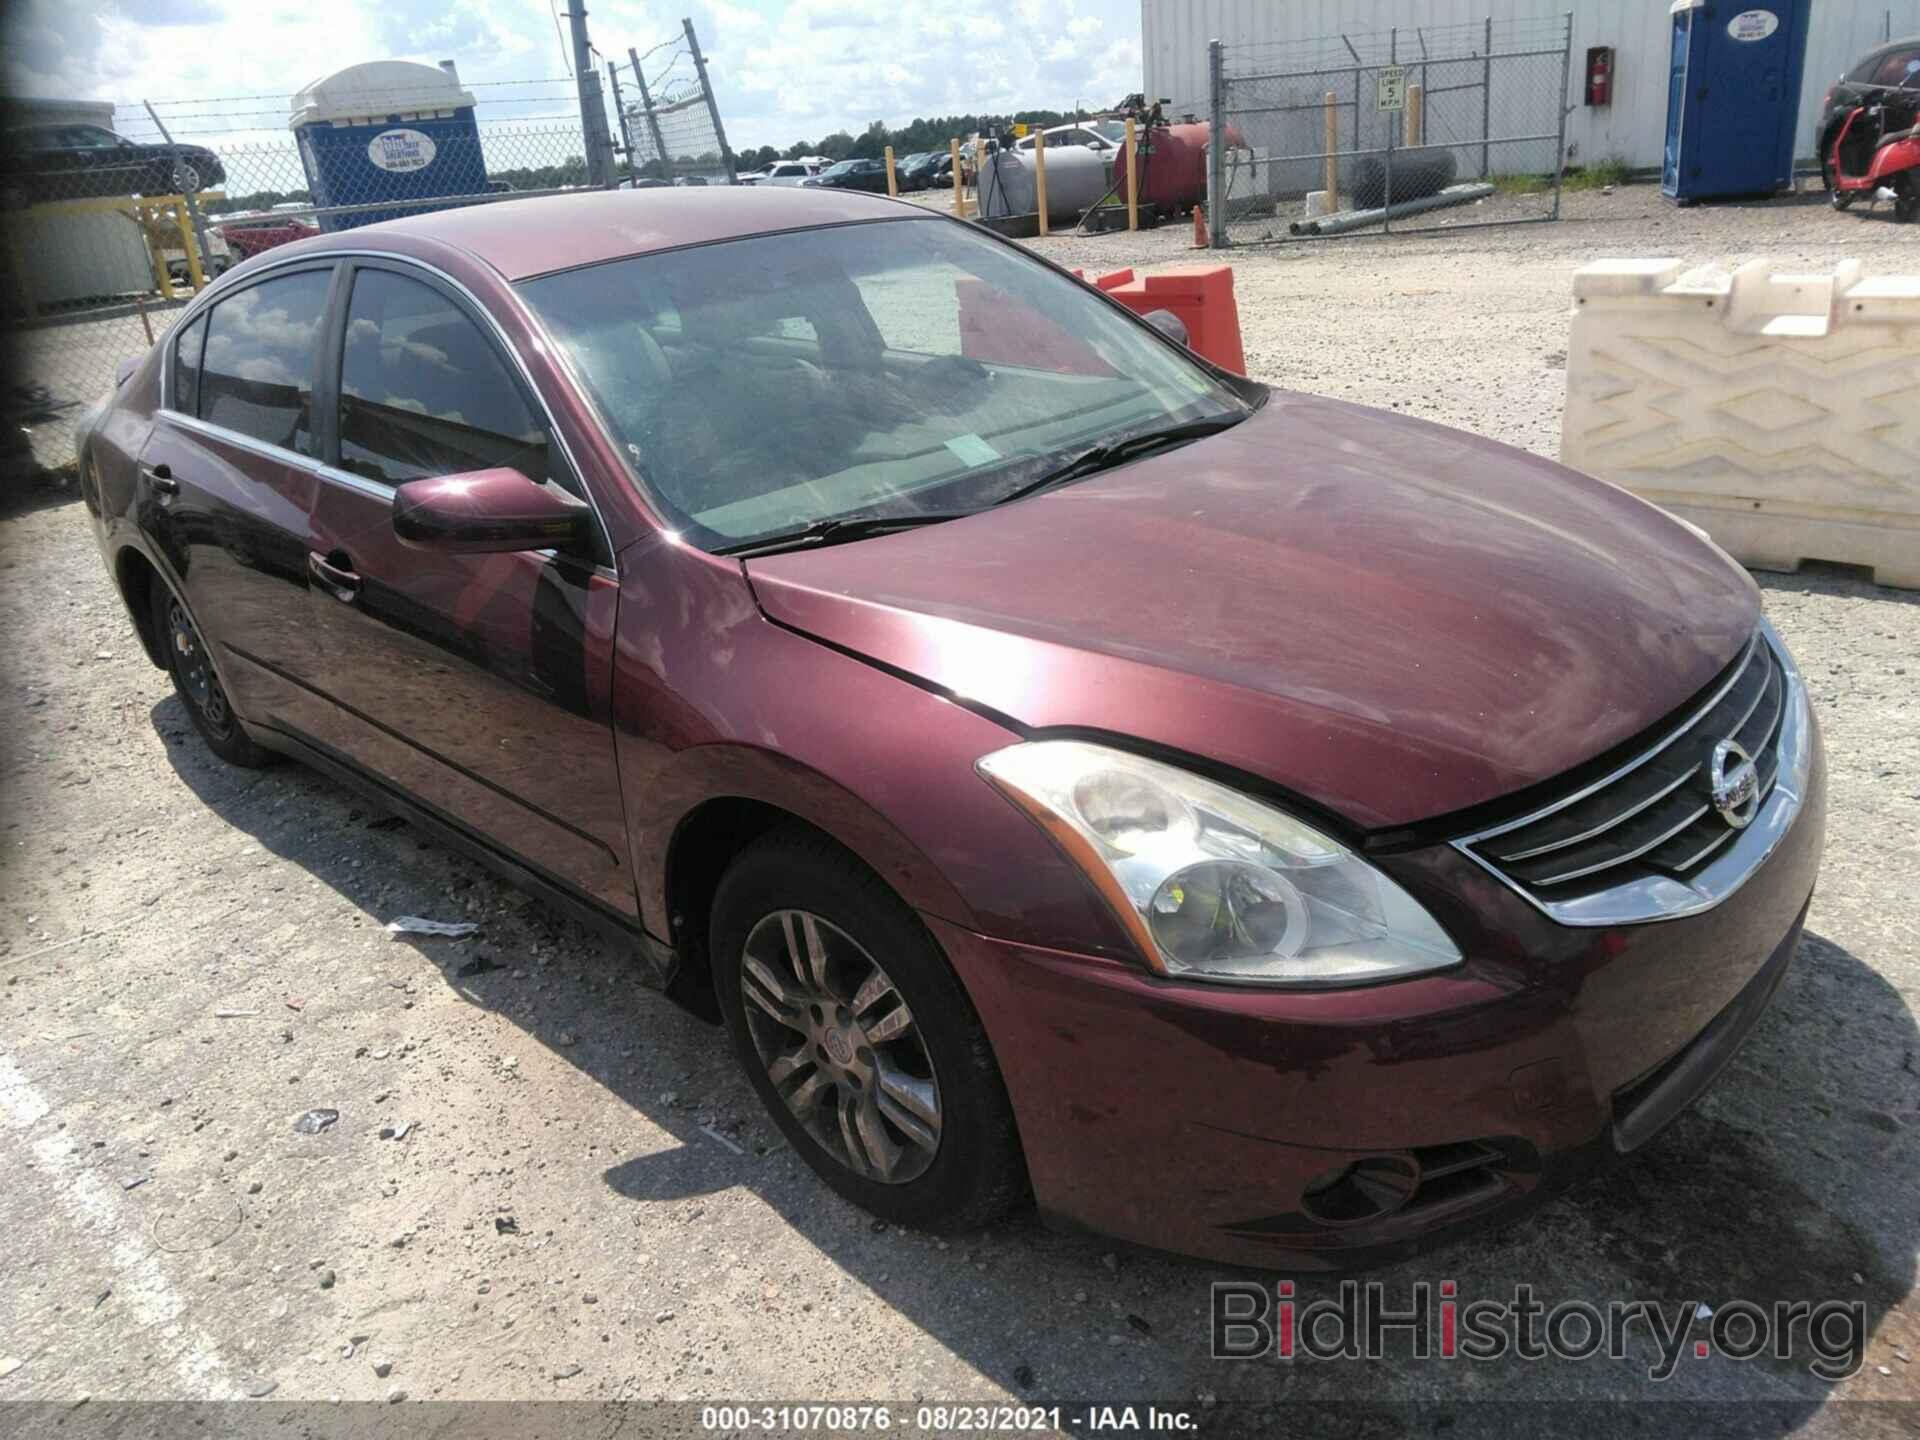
{"x":227,"y":480}
{"x":478,"y":685}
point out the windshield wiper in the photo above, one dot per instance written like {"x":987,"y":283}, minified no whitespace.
{"x":1129,"y":447}
{"x":831,"y":531}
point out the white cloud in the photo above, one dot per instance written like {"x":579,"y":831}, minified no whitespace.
{"x":783,"y":71}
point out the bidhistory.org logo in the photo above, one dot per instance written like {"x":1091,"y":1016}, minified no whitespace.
{"x":1433,"y":1321}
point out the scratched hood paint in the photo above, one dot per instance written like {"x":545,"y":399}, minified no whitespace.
{"x":1393,"y":619}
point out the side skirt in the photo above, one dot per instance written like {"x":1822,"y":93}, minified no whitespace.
{"x":659,"y":962}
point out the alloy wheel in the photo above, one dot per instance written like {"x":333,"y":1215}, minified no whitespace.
{"x":840,"y":1046}
{"x":195,"y":674}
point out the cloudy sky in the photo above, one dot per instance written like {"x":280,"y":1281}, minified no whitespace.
{"x":785,"y":70}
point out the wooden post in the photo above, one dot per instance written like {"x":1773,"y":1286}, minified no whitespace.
{"x":1133,"y":178}
{"x":1040,"y":177}
{"x":893,"y":185}
{"x":1330,"y":165}
{"x":1415,"y":121}
{"x":959,"y":196}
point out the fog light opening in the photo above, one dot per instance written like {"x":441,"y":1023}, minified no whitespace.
{"x":1361,"y":1190}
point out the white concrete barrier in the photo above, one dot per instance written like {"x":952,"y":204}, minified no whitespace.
{"x":1779,"y":412}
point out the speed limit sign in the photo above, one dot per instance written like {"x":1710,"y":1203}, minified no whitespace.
{"x":1390,"y":89}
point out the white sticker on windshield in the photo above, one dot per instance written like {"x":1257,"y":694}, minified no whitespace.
{"x":972,"y":450}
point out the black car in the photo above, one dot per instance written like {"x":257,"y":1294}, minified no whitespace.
{"x":1897,"y":62}
{"x":82,"y":162}
{"x":853,"y":175}
{"x":918,"y":172}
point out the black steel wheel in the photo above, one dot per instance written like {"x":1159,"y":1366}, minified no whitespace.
{"x":198,"y":684}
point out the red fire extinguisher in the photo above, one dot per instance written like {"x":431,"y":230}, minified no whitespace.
{"x":1600,"y":75}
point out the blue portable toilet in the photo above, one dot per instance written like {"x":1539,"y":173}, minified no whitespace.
{"x":387,"y":130}
{"x":1733,"y":98}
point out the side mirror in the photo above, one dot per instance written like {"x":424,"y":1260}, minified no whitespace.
{"x":1168,"y":324}
{"x":488,"y":512}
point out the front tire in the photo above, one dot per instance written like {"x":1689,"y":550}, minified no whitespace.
{"x":859,"y":1039}
{"x":196,"y":683}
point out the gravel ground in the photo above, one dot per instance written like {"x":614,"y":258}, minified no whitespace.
{"x":546,"y":1183}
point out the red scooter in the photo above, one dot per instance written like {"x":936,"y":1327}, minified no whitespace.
{"x":1876,"y":153}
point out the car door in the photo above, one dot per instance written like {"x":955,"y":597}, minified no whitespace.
{"x":227,"y":480}
{"x":478,"y":685}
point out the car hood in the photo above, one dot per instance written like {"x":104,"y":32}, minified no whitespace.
{"x":1389,"y":618}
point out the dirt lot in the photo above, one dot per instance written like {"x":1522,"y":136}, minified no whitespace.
{"x":579,"y":1198}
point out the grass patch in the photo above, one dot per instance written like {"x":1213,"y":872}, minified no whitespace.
{"x":1612,"y":171}
{"x":1585,"y":177}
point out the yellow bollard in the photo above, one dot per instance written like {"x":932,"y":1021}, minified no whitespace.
{"x":1133,"y":178}
{"x":1330,"y":165}
{"x":1414,"y":120}
{"x":1040,"y":177}
{"x":893,"y":186}
{"x":959,"y":199}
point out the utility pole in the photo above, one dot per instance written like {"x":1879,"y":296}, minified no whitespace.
{"x":713,"y":110}
{"x":593,"y":110}
{"x":620,"y":109}
{"x":653,"y":120}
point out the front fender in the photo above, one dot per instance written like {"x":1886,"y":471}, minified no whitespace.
{"x":714,"y":701}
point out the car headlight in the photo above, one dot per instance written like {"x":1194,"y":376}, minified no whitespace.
{"x":1213,"y":884}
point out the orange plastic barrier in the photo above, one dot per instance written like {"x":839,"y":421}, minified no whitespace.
{"x":1201,"y":295}
{"x":993,"y":329}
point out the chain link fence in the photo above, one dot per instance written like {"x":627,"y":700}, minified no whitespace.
{"x":115,"y":215}
{"x":671,"y":125}
{"x":1401,"y":131}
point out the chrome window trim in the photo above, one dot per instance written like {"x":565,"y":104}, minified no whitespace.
{"x":241,"y":440}
{"x":1662,"y":897}
{"x":208,"y":298}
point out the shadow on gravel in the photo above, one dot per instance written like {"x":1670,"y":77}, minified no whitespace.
{"x":25,"y":495}
{"x":1789,"y":1182}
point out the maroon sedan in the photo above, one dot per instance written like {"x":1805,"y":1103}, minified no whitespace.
{"x":1250,"y":824}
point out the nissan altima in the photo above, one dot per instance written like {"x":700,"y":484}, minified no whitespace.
{"x":1237,"y":821}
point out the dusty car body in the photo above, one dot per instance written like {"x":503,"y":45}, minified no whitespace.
{"x":1307,"y":834}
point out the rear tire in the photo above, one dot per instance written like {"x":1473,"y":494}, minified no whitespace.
{"x":196,"y":683}
{"x":859,"y":1038}
{"x":1907,"y":207}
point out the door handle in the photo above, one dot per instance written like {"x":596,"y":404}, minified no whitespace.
{"x":161,"y":478}
{"x":338,"y":582}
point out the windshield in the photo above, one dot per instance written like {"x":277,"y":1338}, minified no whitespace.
{"x":897,"y":368}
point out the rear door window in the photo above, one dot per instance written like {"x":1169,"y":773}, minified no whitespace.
{"x":261,"y":352}
{"x":423,"y":393}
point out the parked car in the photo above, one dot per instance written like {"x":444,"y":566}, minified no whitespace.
{"x":789,"y":173}
{"x":248,"y":234}
{"x":646,"y":182}
{"x":852,"y":175}
{"x":690,"y":181}
{"x":1058,"y":135}
{"x":1252,"y":824}
{"x":77,"y":162}
{"x":935,"y":168}
{"x":1895,"y":63}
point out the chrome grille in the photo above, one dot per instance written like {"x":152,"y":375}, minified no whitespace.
{"x":1657,"y":815}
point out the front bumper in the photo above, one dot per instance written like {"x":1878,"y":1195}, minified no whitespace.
{"x":1195,"y":1118}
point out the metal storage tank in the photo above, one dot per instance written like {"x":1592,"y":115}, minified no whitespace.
{"x":1077,"y":179}
{"x":387,"y":130}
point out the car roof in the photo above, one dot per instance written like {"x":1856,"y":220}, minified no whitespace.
{"x":525,"y":237}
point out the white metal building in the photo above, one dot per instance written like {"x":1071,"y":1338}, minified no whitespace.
{"x":1174,"y":36}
